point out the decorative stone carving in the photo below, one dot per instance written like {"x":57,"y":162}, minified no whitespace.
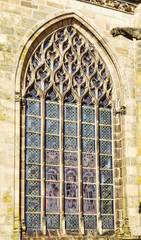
{"x":117,"y":5}
{"x":127,"y":32}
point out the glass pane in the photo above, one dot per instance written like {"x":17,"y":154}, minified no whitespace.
{"x":108,"y":222}
{"x":89,"y":206}
{"x":33,"y":155}
{"x":70,"y":159}
{"x":52,"y":157}
{"x":52,"y":189}
{"x":89,"y":176}
{"x":52,"y":173}
{"x":70,"y":144}
{"x":33,"y":108}
{"x":52,"y":127}
{"x":106,"y":162}
{"x":105,"y":147}
{"x":88,"y":160}
{"x":33,"y":140}
{"x":33,"y":204}
{"x":89,"y":191}
{"x":106,"y":191}
{"x":88,"y":145}
{"x":53,"y":221}
{"x":106,"y":207}
{"x":71,"y":190}
{"x":72,"y":222}
{"x":53,"y":205}
{"x":71,"y":175}
{"x":33,"y":124}
{"x":88,"y":115}
{"x":104,"y":117}
{"x":88,"y":131}
{"x":70,"y":129}
{"x":33,"y":188}
{"x":106,"y":176}
{"x":32,"y":172}
{"x":105,"y":132}
{"x":52,"y":110}
{"x":71,"y":206}
{"x":33,"y":220}
{"x":52,"y":142}
{"x":70,"y":113}
{"x":90,"y":222}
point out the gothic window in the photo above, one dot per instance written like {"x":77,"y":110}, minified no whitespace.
{"x":68,"y":135}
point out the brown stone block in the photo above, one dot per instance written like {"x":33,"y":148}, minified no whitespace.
{"x":122,"y":51}
{"x":28,"y":4}
{"x":55,"y":5}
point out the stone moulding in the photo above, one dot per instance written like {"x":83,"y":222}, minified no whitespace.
{"x":117,"y":5}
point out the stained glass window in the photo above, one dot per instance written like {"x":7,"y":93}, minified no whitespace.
{"x":68,"y":136}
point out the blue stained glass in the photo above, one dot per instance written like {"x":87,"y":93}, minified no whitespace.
{"x":52,"y":110}
{"x":52,"y":142}
{"x":108,"y":222}
{"x":88,"y":115}
{"x":88,"y":130}
{"x":106,"y":176}
{"x":52,"y":189}
{"x":88,"y":160}
{"x":71,"y":206}
{"x":33,"y":204}
{"x":72,"y":222}
{"x":104,"y":117}
{"x":52,"y":157}
{"x":33,"y":188}
{"x":71,"y":190}
{"x":52,"y":173}
{"x":70,"y":159}
{"x":32,"y":172}
{"x":88,"y":145}
{"x":52,"y":127}
{"x":106,"y":162}
{"x":71,"y":175}
{"x":105,"y":132}
{"x":89,"y":206}
{"x":70,"y":113}
{"x":105,"y":147}
{"x":70,"y":129}
{"x":53,"y":205}
{"x":107,"y":206}
{"x":70,"y":144}
{"x":33,"y":140}
{"x":53,"y":221}
{"x":33,"y":155}
{"x":106,"y":192}
{"x":33,"y":221}
{"x":89,"y":176}
{"x":33,"y":124}
{"x":90,"y":222}
{"x":33,"y":108}
{"x":89,"y":191}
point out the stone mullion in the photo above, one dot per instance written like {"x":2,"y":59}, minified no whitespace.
{"x":23,"y":172}
{"x":62,"y":190}
{"x":99,"y":221}
{"x":80,"y":187}
{"x":43,"y":220}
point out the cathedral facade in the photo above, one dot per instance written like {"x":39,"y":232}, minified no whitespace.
{"x":70,"y":111}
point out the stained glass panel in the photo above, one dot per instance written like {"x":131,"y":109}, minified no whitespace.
{"x":33,"y":188}
{"x":53,"y":205}
{"x":33,"y":204}
{"x":108,"y":222}
{"x":88,"y":160}
{"x":88,"y":115}
{"x":53,"y":221}
{"x":71,"y":190}
{"x":106,"y":162}
{"x":89,"y":206}
{"x":52,"y":157}
{"x":88,"y":145}
{"x":105,"y":147}
{"x":33,"y":108}
{"x":70,"y":144}
{"x":52,"y":110}
{"x":89,"y":191}
{"x":70,"y":159}
{"x":106,"y":176}
{"x":32,"y":155}
{"x":32,"y":172}
{"x":89,"y":176}
{"x":33,"y":221}
{"x":71,"y":175}
{"x":70,"y":129}
{"x":106,"y":206}
{"x":105,"y":117}
{"x":33,"y":140}
{"x":90,"y":222}
{"x":70,"y":113}
{"x":106,"y":192}
{"x":52,"y":189}
{"x":105,"y":132}
{"x":52,"y":142}
{"x":71,"y":206}
{"x":88,"y":130}
{"x":33,"y":124}
{"x":52,"y":173}
{"x":72,"y":222}
{"x":52,"y":127}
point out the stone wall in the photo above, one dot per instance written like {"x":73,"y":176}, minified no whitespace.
{"x":21,"y":22}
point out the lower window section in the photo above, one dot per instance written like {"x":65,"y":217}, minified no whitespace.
{"x":107,"y":221}
{"x":90,"y":222}
{"x":53,"y":221}
{"x":72,"y":222}
{"x":33,"y":221}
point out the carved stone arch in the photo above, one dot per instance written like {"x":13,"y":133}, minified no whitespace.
{"x":103,"y":58}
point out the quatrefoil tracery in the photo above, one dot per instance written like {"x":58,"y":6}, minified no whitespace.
{"x":66,"y":61}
